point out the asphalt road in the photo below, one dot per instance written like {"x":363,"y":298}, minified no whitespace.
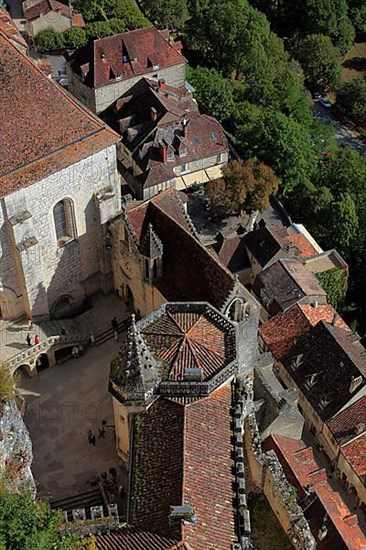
{"x":344,"y":135}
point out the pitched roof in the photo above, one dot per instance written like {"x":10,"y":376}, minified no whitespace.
{"x":129,"y":538}
{"x":151,"y":245}
{"x":204,"y":278}
{"x":323,"y":363}
{"x":344,"y":425}
{"x":182,"y":456}
{"x":355,"y":452}
{"x":9,"y":28}
{"x":287,"y":281}
{"x":343,"y":528}
{"x":127,"y":55}
{"x":232,"y":253}
{"x":34,"y":143}
{"x":177,"y":125}
{"x":264,"y":243}
{"x":33,"y":9}
{"x":280,"y":332}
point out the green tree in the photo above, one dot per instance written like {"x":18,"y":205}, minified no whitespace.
{"x":345,"y":171}
{"x":8,"y":381}
{"x":244,"y":186}
{"x":213,"y":92}
{"x":94,"y":9}
{"x":330,"y":18}
{"x":74,"y":37}
{"x":49,"y":39}
{"x":320,"y":60}
{"x":283,"y":144}
{"x":351,"y":98}
{"x":98,"y":29}
{"x":342,"y":224}
{"x":357,"y":15}
{"x":170,"y":14}
{"x":334,"y":282}
{"x":28,"y":525}
{"x":128,"y":12}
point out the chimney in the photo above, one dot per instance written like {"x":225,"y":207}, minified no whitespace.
{"x":334,"y":320}
{"x":355,"y":382}
{"x":163,"y":149}
{"x":162,"y":84}
{"x":154,"y":114}
{"x":185,"y":123}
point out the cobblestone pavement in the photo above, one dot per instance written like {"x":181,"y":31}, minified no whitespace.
{"x":62,"y":404}
{"x":95,"y":320}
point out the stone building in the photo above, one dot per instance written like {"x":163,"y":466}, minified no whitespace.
{"x":42,"y":14}
{"x":104,"y":70}
{"x":166,"y":142}
{"x":59,"y":188}
{"x":173,"y":399}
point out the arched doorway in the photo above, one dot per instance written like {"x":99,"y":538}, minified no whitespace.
{"x":62,"y":307}
{"x":42,"y":362}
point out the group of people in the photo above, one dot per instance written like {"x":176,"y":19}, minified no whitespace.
{"x":101,"y":433}
{"x":28,"y":338}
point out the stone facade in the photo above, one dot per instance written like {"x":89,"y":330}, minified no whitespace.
{"x":52,"y":19}
{"x":38,"y":274}
{"x":99,"y":99}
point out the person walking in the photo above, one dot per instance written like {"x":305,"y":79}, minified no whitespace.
{"x":29,"y":339}
{"x":115,"y":328}
{"x":36,"y":340}
{"x":101,"y":432}
{"x":29,"y":323}
{"x":91,"y":438}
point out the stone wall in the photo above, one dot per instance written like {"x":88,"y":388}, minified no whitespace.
{"x":15,"y":449}
{"x":267,"y":477}
{"x":33,"y":264}
{"x":99,"y":99}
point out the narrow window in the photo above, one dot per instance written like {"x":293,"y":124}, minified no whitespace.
{"x":63,"y":216}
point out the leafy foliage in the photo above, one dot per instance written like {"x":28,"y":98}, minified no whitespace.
{"x":103,"y":11}
{"x":320,"y":60}
{"x":50,"y":39}
{"x":244,"y":186}
{"x":351,"y":98}
{"x":330,"y":18}
{"x":27,"y":524}
{"x":170,"y":14}
{"x":74,"y":37}
{"x":334,"y":282}
{"x":214,"y":93}
{"x":7,"y":383}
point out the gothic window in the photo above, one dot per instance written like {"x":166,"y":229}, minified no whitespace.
{"x":63,"y":216}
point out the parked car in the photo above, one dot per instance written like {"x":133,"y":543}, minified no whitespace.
{"x":325,"y":102}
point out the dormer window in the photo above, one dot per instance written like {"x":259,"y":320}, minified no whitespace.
{"x":124,"y":58}
{"x":183,"y":151}
{"x":156,"y":67}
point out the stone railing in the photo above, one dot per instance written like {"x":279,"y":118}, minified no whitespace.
{"x":28,"y":355}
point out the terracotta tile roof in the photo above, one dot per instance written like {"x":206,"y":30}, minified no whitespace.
{"x":323,"y":363}
{"x":344,"y":425}
{"x":280,"y":332}
{"x":355,"y":453}
{"x":299,"y":461}
{"x":183,"y":457}
{"x":129,"y":538}
{"x":9,"y":28}
{"x":204,"y":277}
{"x":191,"y":339}
{"x":78,"y":20}
{"x":302,"y":244}
{"x":33,"y":9}
{"x":47,"y":131}
{"x":286,"y":282}
{"x":127,"y":55}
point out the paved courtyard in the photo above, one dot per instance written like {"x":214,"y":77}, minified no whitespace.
{"x":63,"y":403}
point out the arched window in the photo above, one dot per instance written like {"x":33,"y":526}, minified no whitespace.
{"x":63,"y":215}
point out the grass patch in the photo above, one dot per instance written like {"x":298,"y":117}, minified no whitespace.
{"x":354,"y":63}
{"x":266,"y":530}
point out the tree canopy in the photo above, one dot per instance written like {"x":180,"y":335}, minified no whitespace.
{"x":320,"y":60}
{"x":351,"y":98}
{"x":244,"y":186}
{"x":49,"y":39}
{"x":170,"y":14}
